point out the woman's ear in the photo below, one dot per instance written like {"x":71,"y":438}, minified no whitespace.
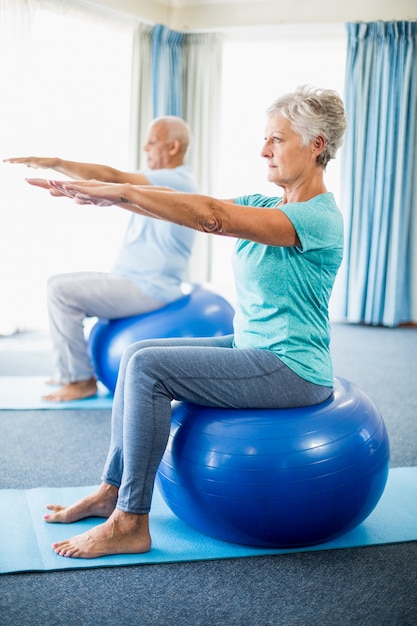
{"x":319,"y":144}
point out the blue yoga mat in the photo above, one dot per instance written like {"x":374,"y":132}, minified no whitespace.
{"x":25,"y":539}
{"x":25,"y":393}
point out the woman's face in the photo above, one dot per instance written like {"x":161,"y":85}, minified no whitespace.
{"x":289,"y":162}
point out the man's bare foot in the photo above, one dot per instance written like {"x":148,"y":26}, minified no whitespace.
{"x":73,"y":391}
{"x":122,"y":533}
{"x":102,"y":503}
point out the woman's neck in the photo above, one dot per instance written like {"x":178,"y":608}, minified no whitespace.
{"x":304,"y":191}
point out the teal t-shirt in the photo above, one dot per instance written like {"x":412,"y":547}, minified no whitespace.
{"x":283,"y":293}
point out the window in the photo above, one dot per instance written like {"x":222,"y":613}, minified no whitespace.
{"x":66,"y":92}
{"x":255,"y":72}
{"x":66,"y":77}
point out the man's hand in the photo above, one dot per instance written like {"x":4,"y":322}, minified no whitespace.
{"x":35,"y":162}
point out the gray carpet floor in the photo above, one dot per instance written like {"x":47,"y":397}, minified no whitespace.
{"x":369,"y":586}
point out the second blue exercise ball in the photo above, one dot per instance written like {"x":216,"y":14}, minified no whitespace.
{"x":200,"y":313}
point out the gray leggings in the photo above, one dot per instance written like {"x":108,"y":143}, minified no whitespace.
{"x":206,"y":371}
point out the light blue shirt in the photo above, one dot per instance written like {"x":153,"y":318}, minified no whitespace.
{"x":283,"y":293}
{"x":155,"y":253}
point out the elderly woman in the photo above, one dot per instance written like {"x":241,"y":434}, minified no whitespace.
{"x":288,"y":250}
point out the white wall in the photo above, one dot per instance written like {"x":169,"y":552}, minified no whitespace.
{"x":218,"y":14}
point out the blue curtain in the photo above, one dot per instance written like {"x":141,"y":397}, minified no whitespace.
{"x":379,"y":179}
{"x":180,"y":74}
{"x":166,"y":46}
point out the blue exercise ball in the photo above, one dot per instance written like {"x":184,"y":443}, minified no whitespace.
{"x":200,"y":313}
{"x":278,"y":478}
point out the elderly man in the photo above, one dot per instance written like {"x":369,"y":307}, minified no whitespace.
{"x":147,"y":273}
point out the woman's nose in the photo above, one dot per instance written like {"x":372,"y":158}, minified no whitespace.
{"x":266,"y":150}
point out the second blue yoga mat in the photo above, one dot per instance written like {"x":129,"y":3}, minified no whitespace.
{"x":25,"y":393}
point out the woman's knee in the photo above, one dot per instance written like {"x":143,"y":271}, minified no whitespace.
{"x":141,"y":356}
{"x":134,"y":348}
{"x":132,"y":355}
{"x":141,"y":370}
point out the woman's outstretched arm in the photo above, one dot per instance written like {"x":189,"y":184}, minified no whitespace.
{"x":200,"y":212}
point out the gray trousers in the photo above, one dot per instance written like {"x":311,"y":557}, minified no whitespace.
{"x":206,"y":371}
{"x":73,"y":297}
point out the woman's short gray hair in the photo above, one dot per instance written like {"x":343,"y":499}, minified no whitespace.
{"x":314,"y":112}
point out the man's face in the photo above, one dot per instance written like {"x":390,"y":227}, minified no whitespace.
{"x":157,"y":147}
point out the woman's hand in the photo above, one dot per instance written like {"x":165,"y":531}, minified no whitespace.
{"x":45,"y":184}
{"x":83,"y":192}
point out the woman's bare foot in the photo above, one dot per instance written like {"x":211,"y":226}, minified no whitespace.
{"x":122,"y":533}
{"x":73,"y":391}
{"x":102,"y":503}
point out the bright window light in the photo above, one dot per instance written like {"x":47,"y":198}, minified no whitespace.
{"x":66,"y":93}
{"x":255,"y":72}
